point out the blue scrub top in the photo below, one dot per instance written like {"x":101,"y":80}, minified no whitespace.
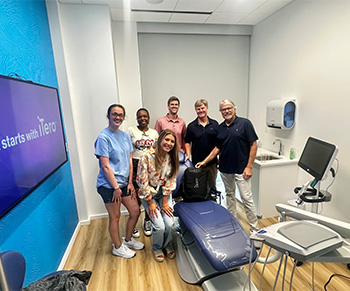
{"x":117,"y":147}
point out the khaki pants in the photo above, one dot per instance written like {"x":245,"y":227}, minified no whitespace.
{"x":244,"y":187}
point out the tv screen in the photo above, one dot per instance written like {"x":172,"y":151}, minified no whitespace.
{"x":32,"y":144}
{"x":317,"y":157}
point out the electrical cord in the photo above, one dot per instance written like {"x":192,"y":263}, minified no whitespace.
{"x":331,"y":277}
{"x":263,"y":269}
{"x":292,"y":275}
{"x":182,"y":237}
{"x":249,"y":270}
{"x":285,"y":269}
{"x":251,"y":266}
{"x":278,"y":273}
{"x":302,"y":276}
{"x":320,"y":211}
{"x":16,"y":76}
{"x":334,"y":174}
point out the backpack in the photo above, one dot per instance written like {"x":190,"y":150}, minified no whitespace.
{"x":195,"y":186}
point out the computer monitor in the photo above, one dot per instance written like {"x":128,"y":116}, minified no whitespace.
{"x":32,"y":143}
{"x":317,"y":158}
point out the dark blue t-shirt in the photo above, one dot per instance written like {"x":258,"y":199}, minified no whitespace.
{"x":203,"y":139}
{"x":234,"y":142}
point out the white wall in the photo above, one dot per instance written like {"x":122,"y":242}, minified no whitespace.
{"x":193,"y":61}
{"x":52,"y":11}
{"x":213,"y":67}
{"x":303,"y":52}
{"x":126,"y":52}
{"x":89,"y":78}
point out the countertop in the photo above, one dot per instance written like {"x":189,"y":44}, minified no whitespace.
{"x":282,"y":160}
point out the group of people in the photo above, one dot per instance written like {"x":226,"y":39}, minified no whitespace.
{"x":140,"y":167}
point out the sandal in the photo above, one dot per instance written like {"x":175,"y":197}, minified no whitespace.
{"x":158,"y":255}
{"x":170,"y":253}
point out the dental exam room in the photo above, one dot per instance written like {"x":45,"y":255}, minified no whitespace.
{"x":80,"y":76}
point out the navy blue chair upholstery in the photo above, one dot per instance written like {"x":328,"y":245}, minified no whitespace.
{"x":183,"y":165}
{"x":219,"y":236}
{"x":14,"y":266}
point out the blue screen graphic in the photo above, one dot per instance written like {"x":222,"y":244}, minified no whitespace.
{"x":32,"y":144}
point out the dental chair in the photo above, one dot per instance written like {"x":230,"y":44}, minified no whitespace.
{"x":211,"y":245}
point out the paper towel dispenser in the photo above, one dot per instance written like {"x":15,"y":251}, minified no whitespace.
{"x":280,"y":113}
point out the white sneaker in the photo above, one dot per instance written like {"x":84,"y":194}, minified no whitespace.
{"x":133,"y":244}
{"x":136,"y":233}
{"x":147,"y":228}
{"x":123,"y":251}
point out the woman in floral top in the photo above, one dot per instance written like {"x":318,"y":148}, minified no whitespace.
{"x":156,"y":177}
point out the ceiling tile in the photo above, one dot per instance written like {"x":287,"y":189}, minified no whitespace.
{"x":272,"y":6}
{"x":111,"y":3}
{"x":188,"y":18}
{"x":246,"y":12}
{"x":225,"y":18}
{"x":143,"y":5}
{"x":253,"y":18}
{"x":197,"y":5}
{"x":150,"y":16}
{"x":239,"y":6}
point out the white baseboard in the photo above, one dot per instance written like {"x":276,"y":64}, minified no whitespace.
{"x":76,"y":231}
{"x":69,"y":247}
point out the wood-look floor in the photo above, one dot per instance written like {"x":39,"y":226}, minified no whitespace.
{"x":92,"y":251}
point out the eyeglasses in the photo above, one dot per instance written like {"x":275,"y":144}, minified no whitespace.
{"x":226,"y":109}
{"x":121,"y":115}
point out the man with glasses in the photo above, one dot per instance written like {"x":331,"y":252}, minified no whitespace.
{"x":236,"y":144}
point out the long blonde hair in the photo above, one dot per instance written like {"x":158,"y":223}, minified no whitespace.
{"x":174,"y":155}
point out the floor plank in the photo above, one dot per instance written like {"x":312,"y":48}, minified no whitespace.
{"x":92,"y":251}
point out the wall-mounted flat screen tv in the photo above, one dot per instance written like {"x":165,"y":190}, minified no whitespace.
{"x":32,"y":143}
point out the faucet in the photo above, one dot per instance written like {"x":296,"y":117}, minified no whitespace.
{"x":280,"y":151}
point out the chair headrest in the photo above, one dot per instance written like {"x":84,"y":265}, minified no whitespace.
{"x":182,"y":157}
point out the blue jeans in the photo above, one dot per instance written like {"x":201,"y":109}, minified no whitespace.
{"x":162,"y":225}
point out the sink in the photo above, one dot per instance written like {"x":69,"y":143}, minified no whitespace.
{"x":264,"y":158}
